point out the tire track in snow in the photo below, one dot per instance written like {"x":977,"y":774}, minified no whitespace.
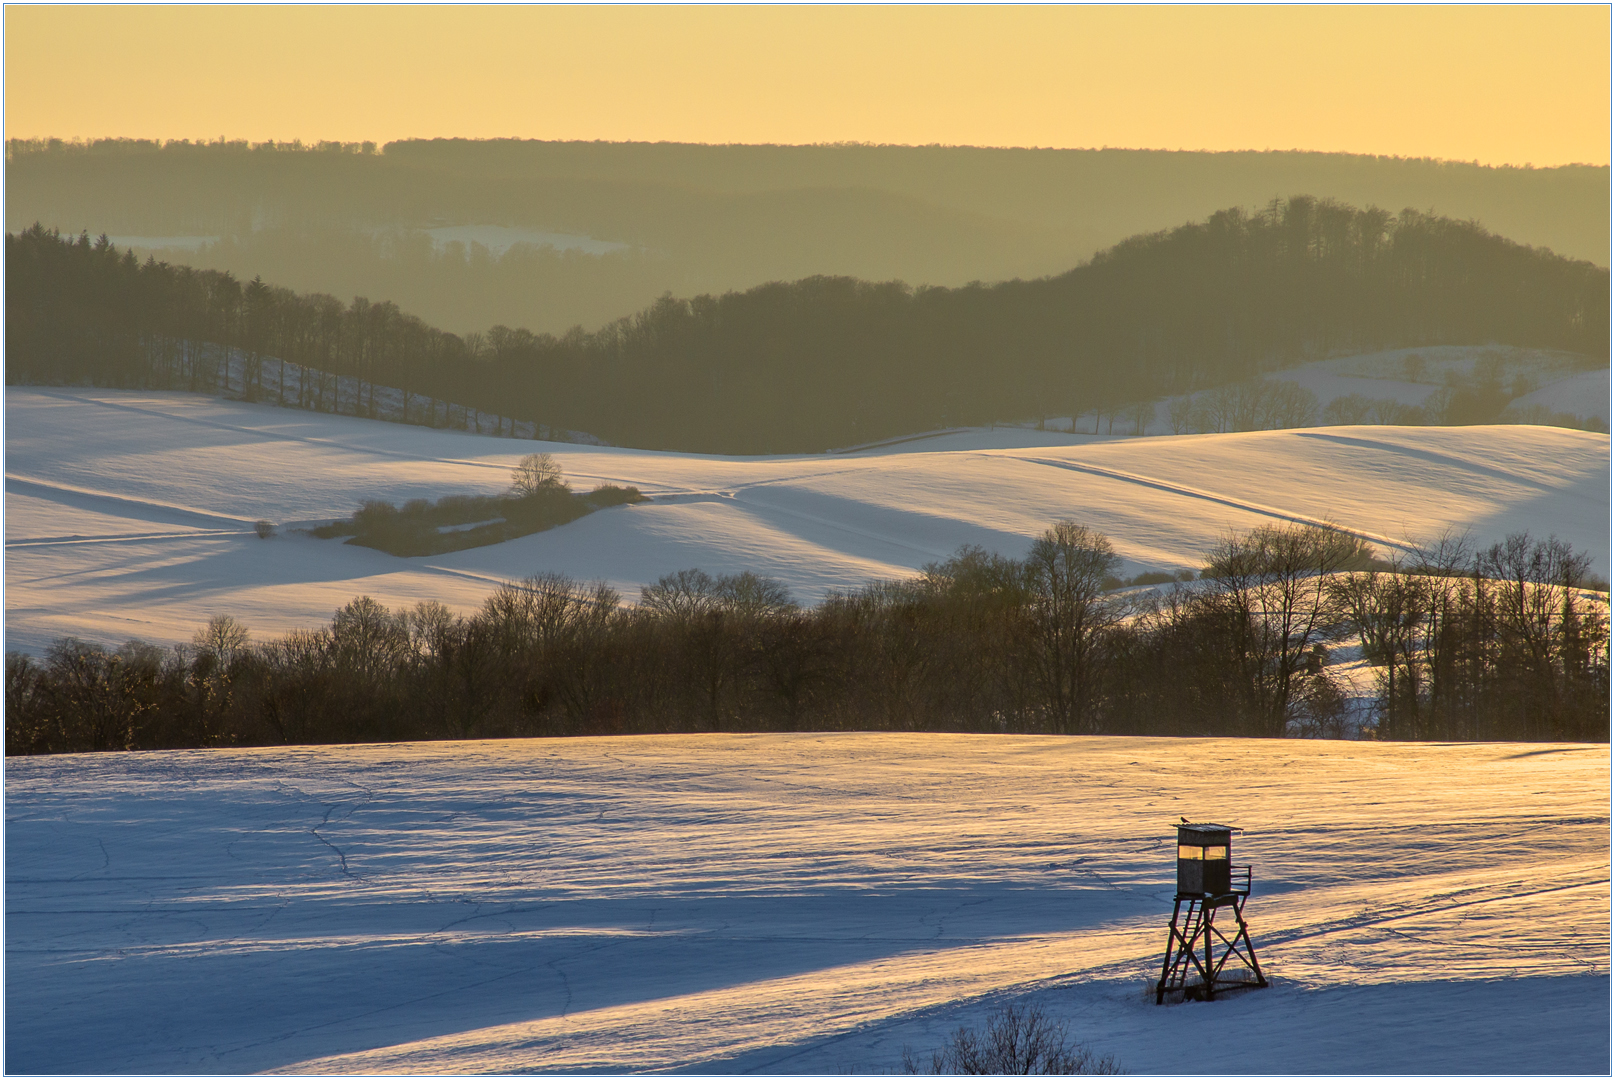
{"x":281,"y":436}
{"x":1212,"y":496}
{"x":121,"y":538}
{"x":1432,"y":456}
{"x":1419,"y":910}
{"x":400,"y":455}
{"x":55,"y":492}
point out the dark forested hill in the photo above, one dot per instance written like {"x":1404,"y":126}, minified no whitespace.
{"x":348,"y":219}
{"x":828,"y":361}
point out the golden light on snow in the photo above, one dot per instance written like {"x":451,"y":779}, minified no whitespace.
{"x":794,"y":903}
{"x":1500,"y":85}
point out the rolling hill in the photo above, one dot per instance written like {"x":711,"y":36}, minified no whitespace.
{"x":131,"y":514}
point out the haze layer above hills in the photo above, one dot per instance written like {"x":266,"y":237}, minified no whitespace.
{"x":626,"y":222}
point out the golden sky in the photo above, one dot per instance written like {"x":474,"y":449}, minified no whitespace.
{"x":1495,"y":84}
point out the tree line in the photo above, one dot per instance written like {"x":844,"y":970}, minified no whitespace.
{"x":826,"y":362}
{"x":82,"y":312}
{"x":728,"y":216}
{"x":1493,"y":644}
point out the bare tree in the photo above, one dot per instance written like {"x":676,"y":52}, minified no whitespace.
{"x":1067,"y":571}
{"x":1286,"y":404}
{"x":700,"y":612}
{"x":1219,"y":409}
{"x":1389,"y":411}
{"x":1388,"y":611}
{"x":748,"y":594}
{"x":1181,"y":415}
{"x":1349,"y":409}
{"x":1142,"y":414}
{"x":535,"y":474}
{"x":368,"y":639}
{"x":681,"y":595}
{"x":224,"y":638}
{"x":1272,"y":587}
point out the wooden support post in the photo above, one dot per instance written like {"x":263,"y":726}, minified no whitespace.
{"x":1210,"y":972}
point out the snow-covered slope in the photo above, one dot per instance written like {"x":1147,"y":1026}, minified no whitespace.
{"x":795,"y":903}
{"x":1582,"y":394}
{"x":1561,"y":382}
{"x":130,"y":514}
{"x":1409,"y":376}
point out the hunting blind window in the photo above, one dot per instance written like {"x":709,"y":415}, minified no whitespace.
{"x":1186,"y":851}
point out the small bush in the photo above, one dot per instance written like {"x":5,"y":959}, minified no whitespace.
{"x":460,"y":508}
{"x":265,"y":529}
{"x":421,"y":527}
{"x":612,"y":495}
{"x":376,"y":516}
{"x":345,"y":527}
{"x":1017,"y":1042}
{"x":1153,"y":577}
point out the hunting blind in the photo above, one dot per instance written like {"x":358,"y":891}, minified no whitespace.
{"x":1197,"y":950}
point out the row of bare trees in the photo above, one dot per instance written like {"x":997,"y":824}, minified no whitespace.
{"x":1499,"y":644}
{"x":1247,"y":405}
{"x":1466,"y":645}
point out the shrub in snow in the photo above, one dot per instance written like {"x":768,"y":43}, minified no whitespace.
{"x":1017,"y":1042}
{"x":264,"y":529}
{"x":457,"y":522}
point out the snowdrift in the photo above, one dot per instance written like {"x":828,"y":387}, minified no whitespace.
{"x":130,"y":514}
{"x":795,"y":903}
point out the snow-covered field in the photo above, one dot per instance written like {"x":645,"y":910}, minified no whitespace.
{"x":775,"y":903}
{"x":130,"y":514}
{"x":157,"y":243}
{"x":1582,"y":394}
{"x":795,"y":903}
{"x":496,"y":238}
{"x":500,"y":238}
{"x":1559,"y":381}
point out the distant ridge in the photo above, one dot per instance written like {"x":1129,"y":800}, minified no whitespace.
{"x":345,"y":218}
{"x":836,"y":361}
